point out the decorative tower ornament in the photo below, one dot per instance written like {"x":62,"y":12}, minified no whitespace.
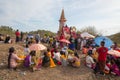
{"x":61,"y":22}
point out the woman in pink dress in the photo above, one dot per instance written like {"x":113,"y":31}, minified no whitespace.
{"x":12,"y":59}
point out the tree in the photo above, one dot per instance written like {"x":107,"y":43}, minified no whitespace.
{"x":92,"y":30}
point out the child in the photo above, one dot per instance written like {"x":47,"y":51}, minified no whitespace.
{"x":63,"y":58}
{"x":89,"y":60}
{"x":85,"y":50}
{"x":26,"y":49}
{"x":65,"y":49}
{"x":12,"y":59}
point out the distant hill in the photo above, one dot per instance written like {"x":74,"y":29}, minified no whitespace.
{"x":43,"y":32}
{"x":8,"y":30}
{"x":115,"y":37}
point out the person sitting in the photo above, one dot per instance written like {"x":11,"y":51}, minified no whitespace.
{"x":7,"y":39}
{"x":65,"y":49}
{"x":70,"y":57}
{"x":76,"y":60}
{"x":114,"y":68}
{"x":52,"y":64}
{"x":32,"y":62}
{"x":63,"y":58}
{"x":89,"y":60}
{"x":12,"y":59}
{"x":46,"y":60}
{"x":56,"y":56}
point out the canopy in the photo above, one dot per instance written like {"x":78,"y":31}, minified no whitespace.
{"x":87,"y":35}
{"x":108,"y":42}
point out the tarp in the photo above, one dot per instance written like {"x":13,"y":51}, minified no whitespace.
{"x":108,"y":42}
{"x":86,"y":35}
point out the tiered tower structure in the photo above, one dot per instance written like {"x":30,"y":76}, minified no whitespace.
{"x":61,"y":22}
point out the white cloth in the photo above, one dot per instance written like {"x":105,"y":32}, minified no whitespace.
{"x":57,"y":56}
{"x":30,"y":59}
{"x":107,"y":68}
{"x":27,"y":51}
{"x":70,"y":57}
{"x":89,"y":61}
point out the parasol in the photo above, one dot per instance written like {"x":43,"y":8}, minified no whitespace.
{"x":114,"y":53}
{"x":37,"y":47}
{"x":64,"y":40}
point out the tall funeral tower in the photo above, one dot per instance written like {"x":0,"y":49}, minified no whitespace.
{"x":61,"y":22}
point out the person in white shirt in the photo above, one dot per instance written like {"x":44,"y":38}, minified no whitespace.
{"x":89,"y":60}
{"x":26,"y":49}
{"x":56,"y":55}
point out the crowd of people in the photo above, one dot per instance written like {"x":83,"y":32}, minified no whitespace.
{"x":64,"y":54}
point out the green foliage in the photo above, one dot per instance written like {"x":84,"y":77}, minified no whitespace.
{"x":43,"y":33}
{"x":6,"y":30}
{"x":115,"y":38}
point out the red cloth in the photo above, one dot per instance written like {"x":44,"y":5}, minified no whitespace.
{"x":17,"y":33}
{"x":62,"y":37}
{"x":66,"y":29}
{"x":52,"y":50}
{"x":102,"y":51}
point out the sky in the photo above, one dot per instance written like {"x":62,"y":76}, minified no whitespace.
{"x":31,"y":15}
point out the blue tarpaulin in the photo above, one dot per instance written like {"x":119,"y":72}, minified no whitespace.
{"x":108,"y":42}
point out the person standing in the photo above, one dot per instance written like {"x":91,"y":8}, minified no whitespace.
{"x":102,"y":51}
{"x":21,"y":36}
{"x":17,"y":33}
{"x":37,"y":37}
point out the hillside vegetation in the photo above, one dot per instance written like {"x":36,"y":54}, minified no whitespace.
{"x":8,"y":30}
{"x":115,"y":38}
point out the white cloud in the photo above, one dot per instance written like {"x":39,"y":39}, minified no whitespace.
{"x":30,"y":15}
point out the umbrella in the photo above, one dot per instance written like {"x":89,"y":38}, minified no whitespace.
{"x":64,"y":40}
{"x":37,"y":47}
{"x":114,"y":53}
{"x":87,"y":35}
{"x":108,"y":42}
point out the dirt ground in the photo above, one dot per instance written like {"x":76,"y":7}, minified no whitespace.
{"x":57,"y":73}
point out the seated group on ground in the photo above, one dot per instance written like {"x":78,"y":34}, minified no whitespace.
{"x":35,"y":59}
{"x":66,"y":55}
{"x":102,"y":63}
